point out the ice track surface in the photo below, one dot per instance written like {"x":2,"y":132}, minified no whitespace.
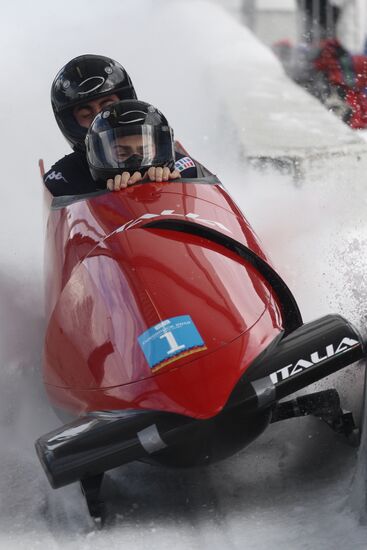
{"x":293,"y":488}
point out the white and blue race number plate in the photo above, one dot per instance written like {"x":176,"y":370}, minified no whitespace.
{"x":170,"y":340}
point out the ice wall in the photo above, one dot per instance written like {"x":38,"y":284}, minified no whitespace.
{"x":274,"y":119}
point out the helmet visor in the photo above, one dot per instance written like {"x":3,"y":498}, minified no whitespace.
{"x":131,"y":149}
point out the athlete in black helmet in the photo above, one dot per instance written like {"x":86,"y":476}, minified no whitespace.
{"x":85,"y":79}
{"x":129,"y":139}
{"x":79,"y":91}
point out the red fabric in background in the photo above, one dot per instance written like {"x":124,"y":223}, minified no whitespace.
{"x":333,"y":61}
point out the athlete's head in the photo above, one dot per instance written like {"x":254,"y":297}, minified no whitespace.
{"x":128,"y":136}
{"x":82,"y":88}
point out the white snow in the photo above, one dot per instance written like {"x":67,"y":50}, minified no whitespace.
{"x":292,"y":488}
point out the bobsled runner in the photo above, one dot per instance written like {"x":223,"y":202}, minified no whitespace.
{"x":170,"y":337}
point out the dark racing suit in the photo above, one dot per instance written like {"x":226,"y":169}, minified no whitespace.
{"x":71,"y":176}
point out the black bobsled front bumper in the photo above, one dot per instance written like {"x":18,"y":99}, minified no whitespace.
{"x":100,"y":441}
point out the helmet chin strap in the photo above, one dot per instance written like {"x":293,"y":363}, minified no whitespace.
{"x":134,"y":160}
{"x":170,"y":165}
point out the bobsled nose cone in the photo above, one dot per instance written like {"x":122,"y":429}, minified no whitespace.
{"x":177,"y":324}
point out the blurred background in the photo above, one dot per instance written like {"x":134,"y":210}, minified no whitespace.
{"x":272,"y":20}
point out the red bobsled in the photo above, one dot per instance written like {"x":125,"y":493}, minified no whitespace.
{"x":169,"y":335}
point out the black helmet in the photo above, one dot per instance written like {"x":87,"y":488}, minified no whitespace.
{"x":84,"y":78}
{"x":128,"y":136}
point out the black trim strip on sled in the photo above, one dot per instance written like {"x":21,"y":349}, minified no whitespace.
{"x":67,"y":200}
{"x":291,"y":314}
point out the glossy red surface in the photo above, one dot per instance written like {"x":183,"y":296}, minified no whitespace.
{"x":109,"y":279}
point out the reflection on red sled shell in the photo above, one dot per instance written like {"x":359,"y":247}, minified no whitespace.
{"x":113,"y":272}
